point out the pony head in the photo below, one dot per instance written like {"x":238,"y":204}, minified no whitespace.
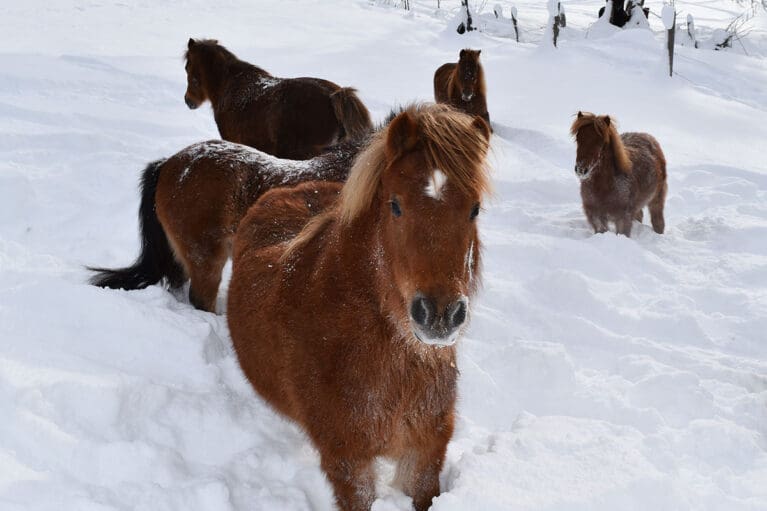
{"x":595,"y":135}
{"x":469,"y":74}
{"x":203,"y":56}
{"x":422,"y":180}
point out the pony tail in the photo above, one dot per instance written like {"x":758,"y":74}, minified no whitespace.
{"x":156,"y":259}
{"x":351,"y":113}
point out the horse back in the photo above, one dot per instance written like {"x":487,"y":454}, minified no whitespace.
{"x":281,"y":213}
{"x":309,"y":125}
{"x":645,"y":153}
{"x":198,"y":192}
{"x":442,"y":77}
{"x":648,"y":164}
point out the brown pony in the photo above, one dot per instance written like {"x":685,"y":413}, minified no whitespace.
{"x":294,"y":118}
{"x":348,"y":327}
{"x":462,"y":85}
{"x":620,"y":174}
{"x":192,"y":202}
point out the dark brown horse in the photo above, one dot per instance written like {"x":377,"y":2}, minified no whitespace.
{"x":620,"y":174}
{"x":462,"y":85}
{"x":191,"y":205}
{"x":293,"y":118}
{"x":348,"y":327}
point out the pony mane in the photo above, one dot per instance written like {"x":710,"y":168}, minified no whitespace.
{"x":609,"y":133}
{"x":209,"y":48}
{"x":450,"y":141}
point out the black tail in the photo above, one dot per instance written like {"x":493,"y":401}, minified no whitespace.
{"x":156,"y":259}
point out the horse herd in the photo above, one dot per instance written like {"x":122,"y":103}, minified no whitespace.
{"x":355,"y":260}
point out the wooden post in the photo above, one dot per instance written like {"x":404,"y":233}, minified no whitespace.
{"x":669,"y":21}
{"x":514,"y":21}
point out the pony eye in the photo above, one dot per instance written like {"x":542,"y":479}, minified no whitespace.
{"x":395,"y":209}
{"x":474,"y":212}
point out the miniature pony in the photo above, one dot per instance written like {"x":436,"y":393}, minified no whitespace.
{"x":620,"y":174}
{"x":462,"y":85}
{"x":348,"y":326}
{"x":295,"y":118}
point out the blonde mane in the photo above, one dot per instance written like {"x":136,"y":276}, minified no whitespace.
{"x":605,"y":126}
{"x":450,"y":141}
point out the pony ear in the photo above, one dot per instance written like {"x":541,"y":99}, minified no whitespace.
{"x":462,"y":53}
{"x":607,"y":120}
{"x":580,"y":114}
{"x":479,"y":51}
{"x":402,"y":135}
{"x":190,"y":43}
{"x":481,"y":125}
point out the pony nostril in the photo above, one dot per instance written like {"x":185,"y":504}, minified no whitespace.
{"x":457,"y":314}
{"x":422,"y":311}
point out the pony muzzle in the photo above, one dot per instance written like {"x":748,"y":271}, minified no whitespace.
{"x":583,"y":173}
{"x":437,"y":327}
{"x":191,"y":104}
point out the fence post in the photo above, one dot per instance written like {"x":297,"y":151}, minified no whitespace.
{"x":669,"y":21}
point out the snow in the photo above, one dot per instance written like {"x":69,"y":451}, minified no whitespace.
{"x":668,"y":15}
{"x":598,"y":372}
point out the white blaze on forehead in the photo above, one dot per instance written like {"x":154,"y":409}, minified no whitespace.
{"x":436,"y":184}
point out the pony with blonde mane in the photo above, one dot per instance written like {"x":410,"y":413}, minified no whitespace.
{"x":348,"y":325}
{"x":620,"y":174}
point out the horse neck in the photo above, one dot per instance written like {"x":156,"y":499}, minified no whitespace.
{"x":220,"y":70}
{"x":214,"y":71}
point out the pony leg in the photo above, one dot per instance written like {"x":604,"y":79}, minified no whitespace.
{"x":353,"y":482}
{"x":418,"y":474}
{"x":598,"y":221}
{"x":205,"y":277}
{"x":623,"y":224}
{"x":639,"y":215}
{"x":656,"y":210}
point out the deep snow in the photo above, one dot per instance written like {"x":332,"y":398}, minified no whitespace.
{"x":599,"y":372}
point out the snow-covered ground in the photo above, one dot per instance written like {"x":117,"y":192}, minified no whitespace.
{"x":599,"y":373}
